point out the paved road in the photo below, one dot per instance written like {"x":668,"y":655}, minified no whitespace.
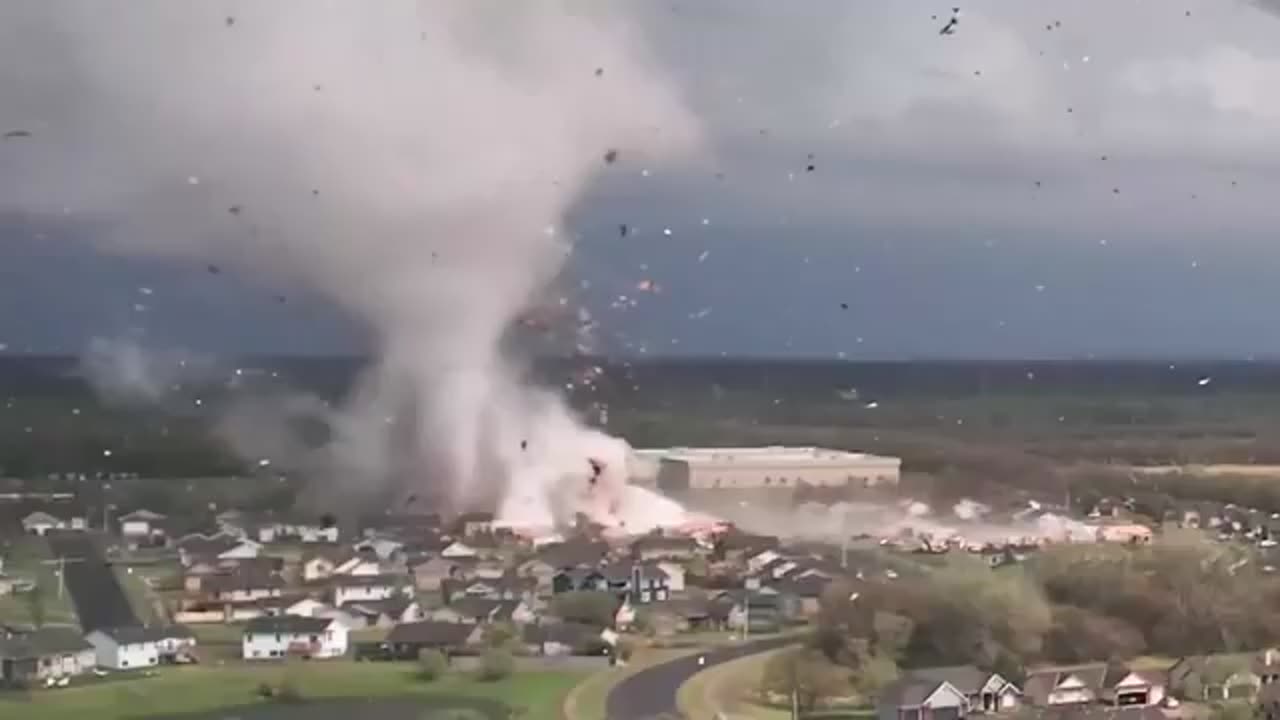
{"x":100,"y":601}
{"x":651,"y":693}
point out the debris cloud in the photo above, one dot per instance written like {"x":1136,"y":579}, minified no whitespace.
{"x":421,"y":192}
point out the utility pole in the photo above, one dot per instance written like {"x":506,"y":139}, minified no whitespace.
{"x":61,"y":561}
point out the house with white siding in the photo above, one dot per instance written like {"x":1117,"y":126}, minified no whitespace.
{"x":127,"y":648}
{"x":282,"y":636}
{"x":359,"y":588}
{"x":44,"y":655}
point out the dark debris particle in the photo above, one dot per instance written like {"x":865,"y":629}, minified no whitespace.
{"x":599,"y":72}
{"x":315,"y":192}
{"x":623,"y":230}
{"x":1037,"y":183}
{"x":524,"y":444}
{"x":844,"y":306}
{"x":977,"y":73}
{"x":1115,"y":191}
{"x":1104,"y":157}
{"x":1070,"y":110}
{"x":317,"y":88}
{"x":230,"y":21}
{"x":328,"y":520}
{"x":719,"y":176}
{"x":281,"y":299}
{"x":234,"y":209}
{"x":15,"y":134}
{"x":610,"y":156}
{"x":214,"y":269}
{"x":950,"y":27}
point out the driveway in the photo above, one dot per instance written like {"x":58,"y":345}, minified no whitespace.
{"x":651,"y":693}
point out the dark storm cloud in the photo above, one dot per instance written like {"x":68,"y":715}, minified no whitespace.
{"x":926,"y":146}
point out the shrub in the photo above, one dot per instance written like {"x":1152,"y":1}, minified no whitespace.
{"x":496,"y":664}
{"x":265,"y":691}
{"x":288,"y":692}
{"x":431,"y":664}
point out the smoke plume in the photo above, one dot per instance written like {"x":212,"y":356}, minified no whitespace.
{"x":409,"y":161}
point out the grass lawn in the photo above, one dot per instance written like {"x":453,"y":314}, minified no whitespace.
{"x":207,"y":688}
{"x":24,"y":558}
{"x":728,"y":688}
{"x":141,"y":598}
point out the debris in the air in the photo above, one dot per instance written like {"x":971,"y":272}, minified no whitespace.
{"x":524,"y":444}
{"x":1069,"y":110}
{"x":234,"y":209}
{"x":315,"y":192}
{"x":844,"y":306}
{"x":666,"y":231}
{"x":704,"y":255}
{"x":810,"y":167}
{"x":872,"y":405}
{"x":264,"y":462}
{"x":281,"y":299}
{"x":1115,"y":191}
{"x":145,"y":290}
{"x":1204,"y":381}
{"x":193,"y":180}
{"x":106,"y":453}
{"x":214,"y":269}
{"x":15,"y":134}
{"x":1039,"y":288}
{"x":1104,"y":157}
{"x":610,"y":156}
{"x":317,"y":87}
{"x":623,"y":230}
{"x":599,"y":71}
{"x":950,"y":27}
{"x":1037,"y":183}
{"x":230,"y":21}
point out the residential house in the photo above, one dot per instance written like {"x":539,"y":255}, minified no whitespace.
{"x":40,"y":523}
{"x":361,"y":588}
{"x":1049,"y":686}
{"x":1128,"y":533}
{"x":127,"y":648}
{"x":52,"y":652}
{"x":642,"y":582}
{"x":315,"y":567}
{"x":359,"y":564}
{"x":408,"y":639}
{"x":307,"y":607}
{"x":1210,"y":678}
{"x":1125,"y":686}
{"x":382,"y":548}
{"x":805,"y":591}
{"x":472,"y":610}
{"x":429,"y":574}
{"x":218,"y":548}
{"x":986,"y":692}
{"x":736,"y":545}
{"x":309,"y":532}
{"x":572,"y":553}
{"x":755,"y":611}
{"x":243,"y":586}
{"x":558,"y":639}
{"x":664,"y":547}
{"x":675,"y":574}
{"x":475,"y":523}
{"x":914,"y":697}
{"x":175,"y":642}
{"x":673,"y":616}
{"x":289,"y":635}
{"x":142,"y":526}
{"x":386,"y":613}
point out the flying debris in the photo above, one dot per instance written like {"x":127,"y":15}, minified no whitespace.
{"x":844,"y":306}
{"x":950,"y":27}
{"x":214,"y":269}
{"x":230,"y":21}
{"x":281,"y":299}
{"x":599,"y":71}
{"x":524,"y":444}
{"x":15,"y":134}
{"x":1204,"y":381}
{"x":610,"y":156}
{"x":623,"y":230}
{"x":234,"y":209}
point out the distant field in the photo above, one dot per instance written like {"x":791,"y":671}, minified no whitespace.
{"x":1237,"y":469}
{"x":28,"y":557}
{"x":176,"y":691}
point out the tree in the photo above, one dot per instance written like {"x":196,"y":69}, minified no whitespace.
{"x":431,"y":664}
{"x":805,"y":674}
{"x":874,"y":673}
{"x":1236,"y":710}
{"x":890,"y":634}
{"x":501,"y":635}
{"x":586,"y":606}
{"x":1081,"y":635}
{"x":496,"y":665}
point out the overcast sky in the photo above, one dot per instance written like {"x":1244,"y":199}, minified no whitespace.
{"x":1049,"y":180}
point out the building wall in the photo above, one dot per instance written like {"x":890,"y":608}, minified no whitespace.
{"x":327,"y":644}
{"x":785,"y":468}
{"x":123,"y":657}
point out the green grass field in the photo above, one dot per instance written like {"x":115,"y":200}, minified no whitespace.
{"x":176,"y":691}
{"x":25,"y":557}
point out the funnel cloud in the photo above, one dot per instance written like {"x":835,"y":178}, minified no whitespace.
{"x":410,"y":161}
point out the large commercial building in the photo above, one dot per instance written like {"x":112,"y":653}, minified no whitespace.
{"x":681,"y":470}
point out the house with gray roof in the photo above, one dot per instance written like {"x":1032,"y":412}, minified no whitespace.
{"x":987,"y":692}
{"x":47,"y":653}
{"x":921,"y":698}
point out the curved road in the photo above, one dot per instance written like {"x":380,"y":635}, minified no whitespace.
{"x":651,"y":693}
